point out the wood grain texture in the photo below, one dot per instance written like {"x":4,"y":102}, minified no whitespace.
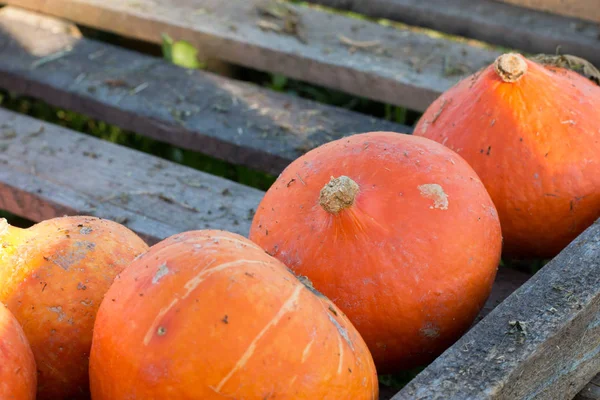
{"x":491,"y":21}
{"x":584,"y":9}
{"x":46,"y":171}
{"x":231,"y":120}
{"x":540,"y":343}
{"x":400,"y":67}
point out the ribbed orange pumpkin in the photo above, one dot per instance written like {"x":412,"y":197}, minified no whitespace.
{"x":17,"y":365}
{"x":209,"y":315}
{"x":404,"y":239}
{"x":53,"y":277}
{"x":532,"y":134}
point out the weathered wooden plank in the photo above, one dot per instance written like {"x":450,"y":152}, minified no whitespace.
{"x":235,"y":121}
{"x":585,"y":9}
{"x":490,"y":21}
{"x":591,"y":391}
{"x":511,"y":280}
{"x":47,"y":171}
{"x":540,"y":343}
{"x":401,"y":67}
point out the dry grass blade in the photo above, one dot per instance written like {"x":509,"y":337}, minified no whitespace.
{"x":577,"y":64}
{"x":359,"y":44}
{"x":288,"y":20}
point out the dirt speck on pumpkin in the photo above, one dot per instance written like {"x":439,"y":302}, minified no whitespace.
{"x":160,"y":273}
{"x":436,"y":193}
{"x":430,"y":331}
{"x":59,"y":311}
{"x":161,"y":331}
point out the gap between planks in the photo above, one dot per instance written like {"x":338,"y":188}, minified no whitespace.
{"x":238,"y":122}
{"x":396,"y":66}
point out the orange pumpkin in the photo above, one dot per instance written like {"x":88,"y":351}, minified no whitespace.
{"x":209,"y":315}
{"x":532,"y":134}
{"x":54,"y":276}
{"x":397,"y":230}
{"x":17,"y":365}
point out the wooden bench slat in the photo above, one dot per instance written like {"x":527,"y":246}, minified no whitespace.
{"x":400,"y":67}
{"x":584,"y":9}
{"x":46,"y":171}
{"x":231,"y":120}
{"x":540,"y":343}
{"x":490,"y":21}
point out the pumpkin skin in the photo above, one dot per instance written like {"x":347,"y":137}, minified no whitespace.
{"x":54,"y":275}
{"x":17,"y":366}
{"x":410,"y":259}
{"x":210,"y":315}
{"x":534,"y":140}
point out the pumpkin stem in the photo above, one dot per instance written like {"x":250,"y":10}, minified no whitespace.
{"x":510,"y":67}
{"x":338,"y":194}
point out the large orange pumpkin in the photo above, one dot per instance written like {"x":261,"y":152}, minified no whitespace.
{"x":209,"y":315}
{"x":398,"y":231}
{"x":532,"y":134}
{"x":53,"y":277}
{"x":17,"y":365}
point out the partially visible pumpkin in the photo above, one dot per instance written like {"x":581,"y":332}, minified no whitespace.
{"x":397,"y":230}
{"x":209,"y":315}
{"x":17,"y":365}
{"x":53,"y":277}
{"x":532,"y":134}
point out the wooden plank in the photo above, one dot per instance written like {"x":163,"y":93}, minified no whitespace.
{"x":490,"y":21}
{"x":400,"y":67}
{"x":540,"y":343}
{"x":584,"y":9}
{"x":231,"y":120}
{"x":591,"y":391}
{"x":48,"y":171}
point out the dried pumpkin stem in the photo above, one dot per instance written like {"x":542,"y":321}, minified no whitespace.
{"x":510,"y":67}
{"x":338,"y":194}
